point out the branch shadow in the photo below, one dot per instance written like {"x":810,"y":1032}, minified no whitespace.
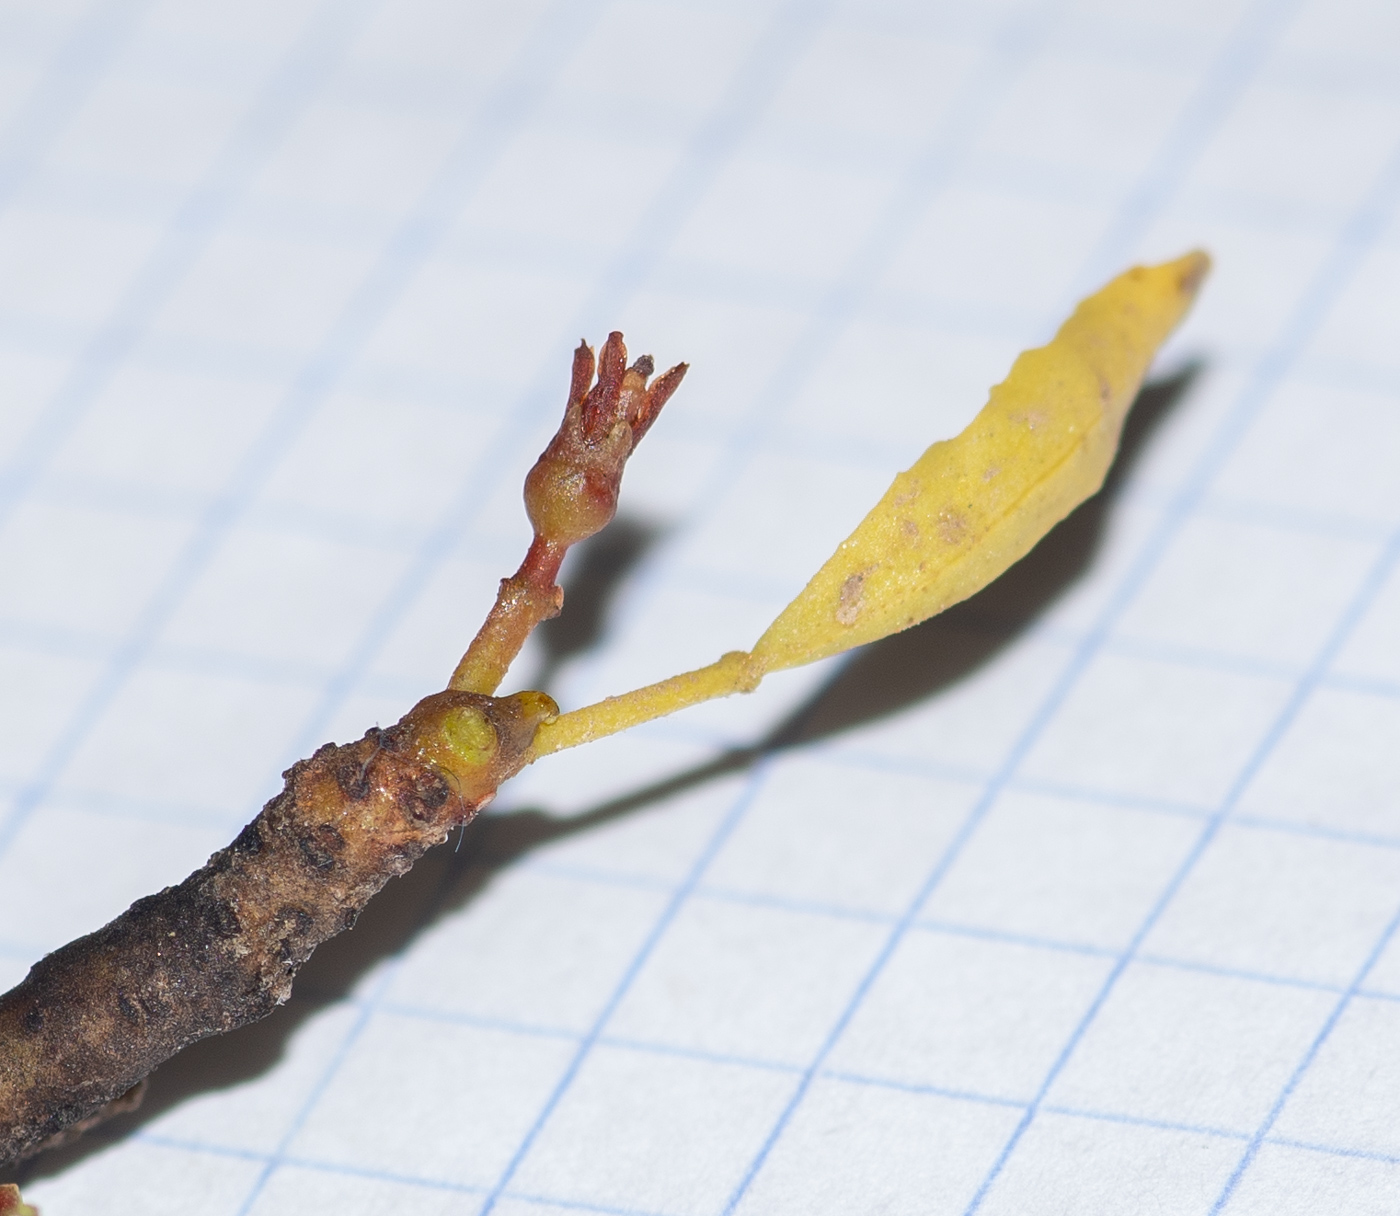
{"x":878,"y":681}
{"x":599,"y":569}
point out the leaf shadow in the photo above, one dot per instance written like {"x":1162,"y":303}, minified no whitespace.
{"x":878,"y":681}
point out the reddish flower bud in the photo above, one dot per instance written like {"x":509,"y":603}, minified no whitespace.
{"x":571,"y":493}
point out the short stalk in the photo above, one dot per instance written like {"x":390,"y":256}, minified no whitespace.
{"x":527,"y":598}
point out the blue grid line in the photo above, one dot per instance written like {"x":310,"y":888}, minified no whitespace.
{"x":716,"y":137}
{"x":36,"y":638}
{"x":1337,"y":371}
{"x":847,"y":755}
{"x":291,"y":84}
{"x":426,"y":1183}
{"x":1235,"y":973}
{"x":244,"y":361}
{"x":1296,"y":519}
{"x":1300,"y":324}
{"x":429,"y":1013}
{"x":414,"y":1180}
{"x":595,"y":874}
{"x":366,"y":1009}
{"x":844,"y":1077}
{"x":194,"y":226}
{"x":357,"y":1171}
{"x":339,"y":527}
{"x":1226,"y":80}
{"x":1074,"y":1112}
{"x":149,"y":810}
{"x":853,"y":755}
{"x":750,"y":91}
{"x":899,"y":929}
{"x":1167,"y":1125}
{"x":784,"y":290}
{"x":1389,"y":689}
{"x":754,"y":82}
{"x":712,"y":847}
{"x":577,"y":1205}
{"x":453,"y":1017}
{"x":894,"y":231}
{"x":1251,"y":1152}
{"x":1199,"y":658}
{"x":72,"y":74}
{"x":143,"y":502}
{"x":1047,"y":1108}
{"x":1334,"y":1150}
{"x":513,"y":99}
{"x":374,"y":1175}
{"x":779,"y":903}
{"x":949,"y":146}
{"x":405,"y":537}
{"x":403,"y":253}
{"x":679,"y":1051}
{"x":1072,"y":792}
{"x":1369,"y":591}
{"x":145,"y":808}
{"x":857,"y":758}
{"x":1377,"y":994}
{"x":1008,"y":937}
{"x":1319,"y":830}
{"x":234,"y":664}
{"x":958,"y":316}
{"x":913,"y":1087}
{"x":853,"y":758}
{"x":189,"y":1145}
{"x":1304,"y":321}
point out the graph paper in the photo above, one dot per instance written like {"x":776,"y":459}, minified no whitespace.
{"x":1079,"y":899}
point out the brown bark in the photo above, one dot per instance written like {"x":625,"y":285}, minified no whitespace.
{"x":221,"y":948}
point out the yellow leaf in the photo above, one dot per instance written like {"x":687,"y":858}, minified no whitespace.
{"x":966,"y":510}
{"x":973,"y":505}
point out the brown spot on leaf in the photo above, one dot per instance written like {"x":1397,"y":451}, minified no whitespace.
{"x":852,"y":596}
{"x":912,"y":486}
{"x":952,"y":526}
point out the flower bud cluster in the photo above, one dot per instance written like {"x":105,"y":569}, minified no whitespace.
{"x":571,"y":493}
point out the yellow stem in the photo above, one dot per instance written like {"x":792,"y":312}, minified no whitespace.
{"x":966,"y":510}
{"x":737,"y":671}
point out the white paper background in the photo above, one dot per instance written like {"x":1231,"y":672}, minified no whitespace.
{"x":1079,"y":900}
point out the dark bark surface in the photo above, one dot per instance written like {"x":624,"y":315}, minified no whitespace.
{"x":221,"y":949}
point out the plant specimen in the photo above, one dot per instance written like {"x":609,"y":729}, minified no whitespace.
{"x":221,"y":949}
